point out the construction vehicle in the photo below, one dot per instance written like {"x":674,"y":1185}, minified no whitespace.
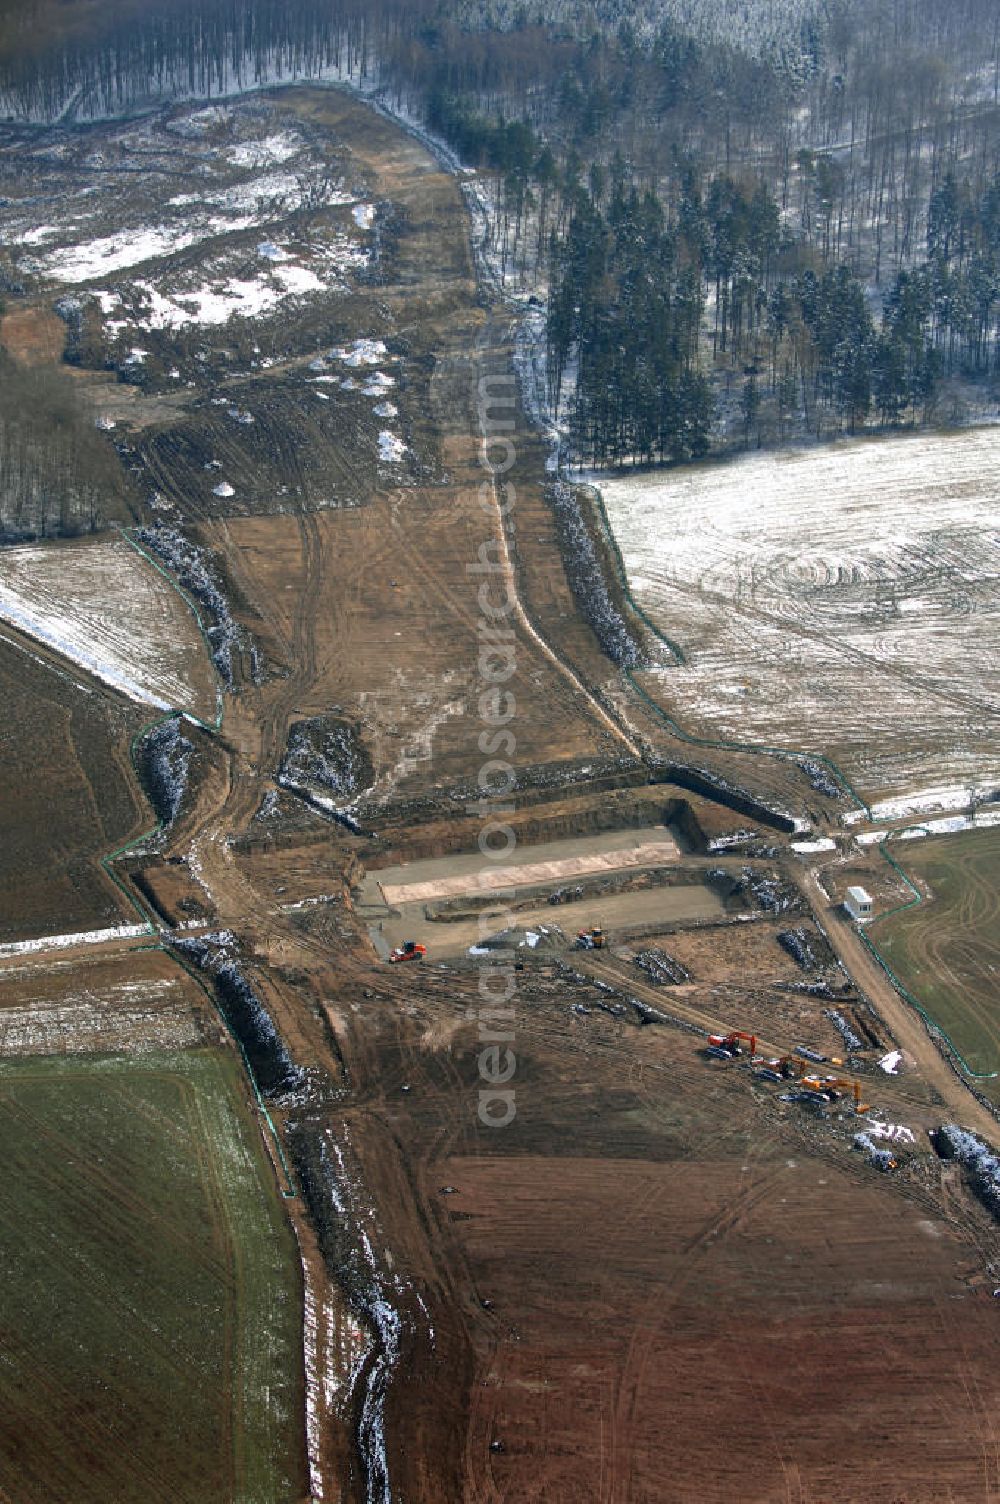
{"x":410,"y":950}
{"x":729,"y":1044}
{"x":831,"y":1087}
{"x":592,"y":939}
{"x":789,"y":1067}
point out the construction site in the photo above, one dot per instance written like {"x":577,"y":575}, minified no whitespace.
{"x":604,"y":1132}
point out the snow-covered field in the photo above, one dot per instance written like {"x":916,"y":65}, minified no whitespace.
{"x":100,"y":605}
{"x":69,"y":942}
{"x":845,"y":598}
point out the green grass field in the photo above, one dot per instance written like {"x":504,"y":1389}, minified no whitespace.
{"x":150,"y":1330}
{"x":947,"y":950}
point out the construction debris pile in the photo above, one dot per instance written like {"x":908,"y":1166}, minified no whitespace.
{"x":982,"y":1164}
{"x":796,"y":942}
{"x":165,"y":760}
{"x":821,"y":779}
{"x":845,"y":1031}
{"x":190,"y":565}
{"x":326,"y":756}
{"x":808,"y":989}
{"x":566,"y":895}
{"x":661,"y":969}
{"x":587,"y":581}
{"x":731,"y":841}
{"x":882,"y":1159}
{"x":755,"y":889}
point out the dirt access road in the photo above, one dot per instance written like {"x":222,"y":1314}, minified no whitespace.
{"x":906,"y":1026}
{"x":651,"y":1237}
{"x":625,"y":1169}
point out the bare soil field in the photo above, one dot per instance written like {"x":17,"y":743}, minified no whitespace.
{"x":104,"y":1003}
{"x":33,"y":336}
{"x":855,"y":567}
{"x":70,"y":797}
{"x":372,"y":611}
{"x":946,"y":950}
{"x":651,"y":1238}
{"x":101,"y":605}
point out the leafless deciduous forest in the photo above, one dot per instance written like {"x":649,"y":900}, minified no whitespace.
{"x":747,"y":223}
{"x":58,"y":475}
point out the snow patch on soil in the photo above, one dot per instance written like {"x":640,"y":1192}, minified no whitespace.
{"x":363,"y":352}
{"x":228,"y":296}
{"x":896,"y":1133}
{"x":113,"y":253}
{"x":103,"y":607}
{"x":923,"y":801}
{"x":66,"y":942}
{"x":136,"y":1017}
{"x":391,"y":450}
{"x":951,"y":825}
{"x":278,"y":148}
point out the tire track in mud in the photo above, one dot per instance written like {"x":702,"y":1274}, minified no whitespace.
{"x":502,"y":530}
{"x":671,"y":1009}
{"x":647,"y":1328}
{"x":243,"y":900}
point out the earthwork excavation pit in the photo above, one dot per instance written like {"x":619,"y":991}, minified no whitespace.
{"x":623,"y":880}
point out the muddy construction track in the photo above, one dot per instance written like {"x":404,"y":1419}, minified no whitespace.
{"x":656,"y":1257}
{"x":664,"y":1279}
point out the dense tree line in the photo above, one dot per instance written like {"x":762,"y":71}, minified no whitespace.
{"x":105,"y":55}
{"x":58,"y":475}
{"x":792,"y":204}
{"x":626,"y":303}
{"x":625,"y":313}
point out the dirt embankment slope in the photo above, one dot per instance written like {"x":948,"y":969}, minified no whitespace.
{"x":661,"y":1281}
{"x":649,"y":1239}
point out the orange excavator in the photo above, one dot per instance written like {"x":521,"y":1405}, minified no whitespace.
{"x":729,"y":1044}
{"x":410,"y":950}
{"x":832,"y":1088}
